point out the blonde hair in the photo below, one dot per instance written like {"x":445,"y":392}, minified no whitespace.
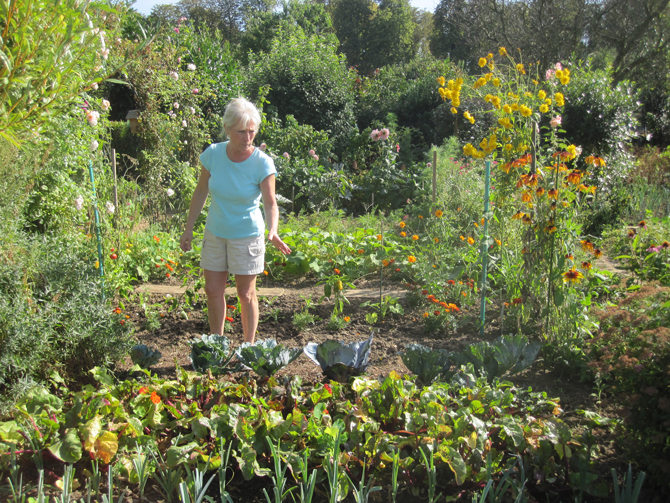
{"x":241,"y":112}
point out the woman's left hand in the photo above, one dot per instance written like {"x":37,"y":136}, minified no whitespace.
{"x":278,"y":243}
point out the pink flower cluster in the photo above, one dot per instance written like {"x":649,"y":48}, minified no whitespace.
{"x":313,"y":154}
{"x":380,"y":135}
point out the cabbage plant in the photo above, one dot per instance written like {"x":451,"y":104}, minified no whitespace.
{"x":144,"y":356}
{"x":266,"y":357}
{"x":428,"y":364}
{"x":339,"y":360}
{"x":211,"y":352}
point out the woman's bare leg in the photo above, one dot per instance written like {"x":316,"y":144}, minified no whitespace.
{"x":215,"y":288}
{"x":246,"y":291}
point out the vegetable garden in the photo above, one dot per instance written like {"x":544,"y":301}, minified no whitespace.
{"x":484,"y":317}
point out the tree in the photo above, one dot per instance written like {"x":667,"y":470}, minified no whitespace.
{"x":262,"y":27}
{"x":306,"y":79}
{"x":374,"y":34}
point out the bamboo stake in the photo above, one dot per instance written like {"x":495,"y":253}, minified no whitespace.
{"x":484,"y":250}
{"x":101,"y":262}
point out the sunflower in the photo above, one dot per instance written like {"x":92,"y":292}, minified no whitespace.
{"x":572,"y":275}
{"x":586,"y":266}
{"x":586,"y":245}
{"x":597,"y":253}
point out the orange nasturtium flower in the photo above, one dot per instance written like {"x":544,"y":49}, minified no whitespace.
{"x":155,"y":398}
{"x":379,"y":237}
{"x":572,"y":275}
{"x":415,"y":237}
{"x":143,"y":390}
{"x":347,"y":319}
{"x":411,"y":259}
{"x":403,"y":234}
{"x":156,"y":239}
{"x":471,"y":241}
{"x":402,"y":225}
{"x":426,"y":315}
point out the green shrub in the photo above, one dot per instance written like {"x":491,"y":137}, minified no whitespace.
{"x":52,"y":316}
{"x":601,"y":119}
{"x":307,"y":79}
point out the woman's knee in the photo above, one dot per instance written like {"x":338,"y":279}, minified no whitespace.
{"x":247,"y":296}
{"x":215,"y":290}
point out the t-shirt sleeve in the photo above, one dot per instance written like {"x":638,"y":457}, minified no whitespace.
{"x":206,"y":158}
{"x":267,"y":168}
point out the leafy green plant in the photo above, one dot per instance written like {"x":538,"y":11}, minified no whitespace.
{"x":224,"y":459}
{"x":211,"y":353}
{"x":387,"y":305}
{"x":338,"y":360}
{"x":336,"y":323}
{"x":141,"y":462}
{"x":303,"y":319}
{"x":427,"y":364}
{"x":266,"y":357}
{"x":144,"y":356}
{"x":168,"y":478}
{"x":194,"y":488}
{"x":334,"y":285}
{"x":307,"y":481}
{"x":431,"y":471}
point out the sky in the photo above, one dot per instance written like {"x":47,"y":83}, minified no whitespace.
{"x":144,"y":6}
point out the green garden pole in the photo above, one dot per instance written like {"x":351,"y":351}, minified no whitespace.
{"x":484,"y":251}
{"x":97,"y":229}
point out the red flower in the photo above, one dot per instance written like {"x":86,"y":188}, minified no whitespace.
{"x":328,"y":388}
{"x":437,"y":313}
{"x":336,"y":271}
{"x":229,"y":319}
{"x":424,"y":292}
{"x":516,"y":301}
{"x":155,"y":398}
{"x":397,"y":270}
{"x":451,"y":282}
{"x":156,"y":239}
{"x":143,"y":390}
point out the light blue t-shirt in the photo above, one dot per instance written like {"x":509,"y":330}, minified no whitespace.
{"x":236,"y":192}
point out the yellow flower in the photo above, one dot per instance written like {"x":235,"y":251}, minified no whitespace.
{"x":520,"y":69}
{"x":453,"y":110}
{"x":441,"y":81}
{"x":544,"y":109}
{"x":462,"y":238}
{"x":502,"y":51}
{"x":489,"y":56}
{"x":482,"y":62}
{"x":411,"y":259}
{"x":471,"y":241}
{"x":420,"y":217}
{"x":415,"y":237}
{"x":515,"y":107}
{"x":403,"y":234}
{"x":469,"y":117}
{"x":509,"y":147}
{"x":496,"y":82}
{"x":572,"y":275}
{"x":439,"y":213}
{"x":498,"y":242}
{"x":559,"y":74}
{"x":525,"y":111}
{"x":560,"y":100}
{"x":97,"y":264}
{"x":541,"y":94}
{"x":565,"y":80}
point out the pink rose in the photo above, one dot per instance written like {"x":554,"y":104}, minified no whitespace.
{"x":556,"y":121}
{"x":311,"y":152}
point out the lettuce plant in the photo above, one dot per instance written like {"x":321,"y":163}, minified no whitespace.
{"x":338,"y":360}
{"x":211,"y":352}
{"x":266,"y":357}
{"x":144,"y":356}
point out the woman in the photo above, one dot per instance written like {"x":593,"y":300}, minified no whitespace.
{"x":237,"y":174}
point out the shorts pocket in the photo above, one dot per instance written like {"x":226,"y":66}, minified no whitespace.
{"x":256,"y":247}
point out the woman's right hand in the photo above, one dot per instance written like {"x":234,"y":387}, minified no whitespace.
{"x":186,"y":240}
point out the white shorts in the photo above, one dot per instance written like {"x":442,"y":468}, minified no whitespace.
{"x":244,"y":256}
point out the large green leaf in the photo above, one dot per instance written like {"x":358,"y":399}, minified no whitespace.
{"x":428,"y":364}
{"x":69,"y":449}
{"x":266,"y":357}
